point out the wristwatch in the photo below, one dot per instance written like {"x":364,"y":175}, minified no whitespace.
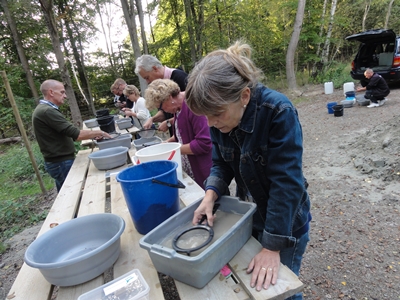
{"x":168,"y":123}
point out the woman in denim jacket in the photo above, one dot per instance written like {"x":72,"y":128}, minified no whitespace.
{"x":257,"y":139}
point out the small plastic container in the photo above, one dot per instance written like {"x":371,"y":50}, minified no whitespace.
{"x":130,"y":286}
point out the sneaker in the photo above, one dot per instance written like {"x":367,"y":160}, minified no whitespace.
{"x":373,"y":104}
{"x":382,"y":102}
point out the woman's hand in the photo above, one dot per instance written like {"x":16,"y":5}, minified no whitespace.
{"x":163,"y":126}
{"x":148,"y":123}
{"x":206,"y":208}
{"x":128,"y":112}
{"x":265,"y":267}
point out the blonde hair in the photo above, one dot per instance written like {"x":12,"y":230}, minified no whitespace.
{"x":116,"y":84}
{"x":219,"y":79}
{"x":131,"y":89}
{"x":159,"y":90}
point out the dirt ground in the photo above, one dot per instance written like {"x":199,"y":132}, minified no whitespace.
{"x":352,"y":165}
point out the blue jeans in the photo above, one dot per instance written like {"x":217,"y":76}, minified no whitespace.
{"x":291,"y":257}
{"x":59,"y":171}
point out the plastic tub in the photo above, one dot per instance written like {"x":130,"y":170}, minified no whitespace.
{"x":338,"y":110}
{"x":146,"y":142}
{"x":110,"y":158}
{"x":124,"y":123}
{"x":348,"y":103}
{"x":350,"y":94}
{"x":91,"y":123}
{"x":164,"y":151}
{"x":124,"y":140}
{"x":78,"y":250}
{"x":150,"y":203}
{"x":329,"y":107}
{"x":102,"y":112}
{"x":198,"y":270}
{"x":130,"y":286}
{"x":106,"y":123}
{"x":361,"y":100}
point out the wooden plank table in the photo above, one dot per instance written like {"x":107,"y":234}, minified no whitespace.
{"x":88,"y":191}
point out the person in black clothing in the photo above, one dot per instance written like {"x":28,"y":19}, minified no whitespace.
{"x":376,"y":90}
{"x":150,"y":68}
{"x":120,"y":100}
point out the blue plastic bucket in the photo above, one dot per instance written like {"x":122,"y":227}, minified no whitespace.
{"x":151,"y":192}
{"x":330,"y":106}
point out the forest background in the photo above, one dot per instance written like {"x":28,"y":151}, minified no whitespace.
{"x":88,"y":44}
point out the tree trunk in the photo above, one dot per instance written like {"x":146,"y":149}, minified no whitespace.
{"x":129,"y":14}
{"x":325,"y":51}
{"x":366,"y":10}
{"x":321,"y":30}
{"x":189,"y":20}
{"x":84,"y":82}
{"x":388,"y":13}
{"x":198,"y":26}
{"x":142,"y":28}
{"x":21,"y":51}
{"x":47,"y":8}
{"x":294,"y":40}
{"x":105,"y":36}
{"x":175,"y":16}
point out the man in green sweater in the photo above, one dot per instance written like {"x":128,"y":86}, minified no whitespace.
{"x":55,"y":135}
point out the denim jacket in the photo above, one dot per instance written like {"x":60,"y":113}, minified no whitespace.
{"x":264,"y":155}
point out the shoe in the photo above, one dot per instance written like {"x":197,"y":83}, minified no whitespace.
{"x":373,"y":104}
{"x":382,"y":102}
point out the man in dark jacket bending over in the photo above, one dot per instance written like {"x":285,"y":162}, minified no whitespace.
{"x":376,"y":90}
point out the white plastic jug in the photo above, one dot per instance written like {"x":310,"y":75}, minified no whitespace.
{"x":348,"y":87}
{"x":163,"y":151}
{"x":328,"y":87}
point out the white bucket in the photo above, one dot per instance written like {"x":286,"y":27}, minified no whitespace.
{"x":348,"y":87}
{"x":163,"y":151}
{"x":328,"y":87}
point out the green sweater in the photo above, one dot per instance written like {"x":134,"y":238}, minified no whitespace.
{"x":55,"y":135}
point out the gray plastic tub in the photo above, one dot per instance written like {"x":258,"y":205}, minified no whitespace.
{"x":347,"y":103}
{"x":109,"y":158}
{"x":91,"y":123}
{"x":146,"y":142}
{"x":198,"y":270}
{"x":78,"y":250}
{"x":124,"y":140}
{"x":124,"y":123}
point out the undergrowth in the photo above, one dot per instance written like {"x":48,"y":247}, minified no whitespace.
{"x":20,"y":191}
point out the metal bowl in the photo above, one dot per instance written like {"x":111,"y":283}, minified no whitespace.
{"x":109,"y":158}
{"x":78,"y":250}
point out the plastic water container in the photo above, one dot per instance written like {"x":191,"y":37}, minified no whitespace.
{"x":330,"y":106}
{"x":151,"y":193}
{"x":163,"y":151}
{"x":348,"y":87}
{"x":130,"y":286}
{"x":328,"y":87}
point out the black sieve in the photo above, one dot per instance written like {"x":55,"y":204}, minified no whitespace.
{"x":204,"y":232}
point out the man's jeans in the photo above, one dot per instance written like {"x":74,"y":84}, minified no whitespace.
{"x":292,"y":258}
{"x":59,"y":171}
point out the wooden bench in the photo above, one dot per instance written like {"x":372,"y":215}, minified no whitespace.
{"x":87,"y":191}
